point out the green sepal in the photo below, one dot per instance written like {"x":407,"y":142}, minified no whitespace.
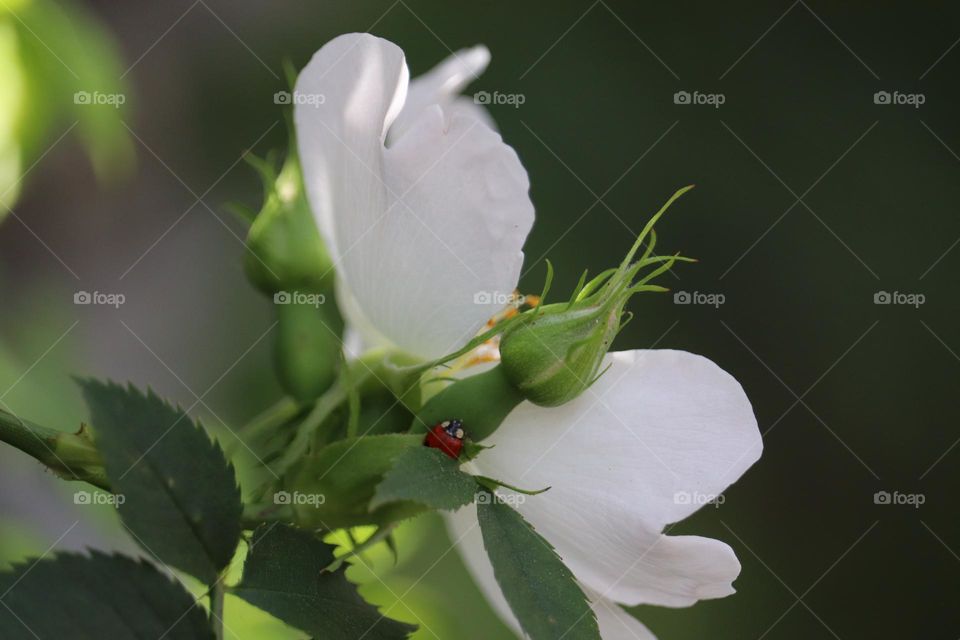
{"x":492,"y":484}
{"x":285,"y":252}
{"x":340,"y":480}
{"x":553,"y":353}
{"x":472,"y":449}
{"x":481,"y":401}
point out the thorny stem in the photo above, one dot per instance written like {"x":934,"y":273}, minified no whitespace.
{"x":72,"y":456}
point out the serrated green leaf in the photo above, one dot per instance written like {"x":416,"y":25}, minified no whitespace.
{"x":426,"y":476}
{"x":180,"y":496}
{"x":334,"y":486}
{"x":284,"y":575}
{"x":541,"y":590}
{"x":96,"y":597}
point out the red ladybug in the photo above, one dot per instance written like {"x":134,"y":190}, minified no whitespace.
{"x":446,"y":436}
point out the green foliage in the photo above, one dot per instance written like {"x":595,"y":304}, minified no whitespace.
{"x":541,"y":591}
{"x":285,"y":576}
{"x":338,"y":482}
{"x":426,"y":476}
{"x":96,"y":597}
{"x":180,"y":497}
{"x":64,"y":49}
{"x":12,"y":93}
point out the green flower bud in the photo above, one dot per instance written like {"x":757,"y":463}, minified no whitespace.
{"x":553,"y":353}
{"x":307,"y":347}
{"x":284,"y":249}
{"x":286,"y":259}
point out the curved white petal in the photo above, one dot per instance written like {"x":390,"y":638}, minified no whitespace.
{"x":614,"y":622}
{"x":660,"y":433}
{"x":424,"y":233}
{"x":466,"y":107}
{"x":442,"y":86}
{"x":617,"y":624}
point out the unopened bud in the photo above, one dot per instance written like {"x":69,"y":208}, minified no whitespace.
{"x":553,"y":353}
{"x":284,"y":249}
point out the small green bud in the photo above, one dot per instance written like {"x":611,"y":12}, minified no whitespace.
{"x":553,"y":353}
{"x":284,"y":249}
{"x":553,"y":356}
{"x":307,"y":347}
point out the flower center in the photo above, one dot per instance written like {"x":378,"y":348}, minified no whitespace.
{"x":489,"y":351}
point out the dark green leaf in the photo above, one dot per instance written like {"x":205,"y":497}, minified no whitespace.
{"x":541,"y":591}
{"x":284,"y":575}
{"x":426,"y":476}
{"x":95,"y":598}
{"x":180,"y":496}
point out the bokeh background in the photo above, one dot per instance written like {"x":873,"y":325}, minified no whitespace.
{"x":811,"y":198}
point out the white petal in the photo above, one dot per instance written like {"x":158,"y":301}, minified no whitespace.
{"x":615,"y":623}
{"x":622,"y":459}
{"x":362,"y":82}
{"x":426,"y":233}
{"x":442,"y":86}
{"x":466,"y":107}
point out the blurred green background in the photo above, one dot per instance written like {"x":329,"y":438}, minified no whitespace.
{"x":811,"y":198}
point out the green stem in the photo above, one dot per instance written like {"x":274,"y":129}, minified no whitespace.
{"x":216,"y":608}
{"x":267,"y":421}
{"x":326,"y":405}
{"x":256,"y":514}
{"x":72,"y":456}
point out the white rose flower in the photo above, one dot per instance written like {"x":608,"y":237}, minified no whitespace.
{"x":423,"y":206}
